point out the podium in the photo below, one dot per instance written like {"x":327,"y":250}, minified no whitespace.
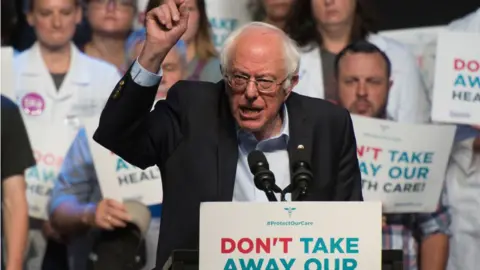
{"x":288,"y":235}
{"x":188,"y":260}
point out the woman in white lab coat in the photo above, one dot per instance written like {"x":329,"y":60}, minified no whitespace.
{"x":55,"y":83}
{"x":324,"y":27}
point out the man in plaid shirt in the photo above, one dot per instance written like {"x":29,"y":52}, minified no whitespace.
{"x":363,"y":76}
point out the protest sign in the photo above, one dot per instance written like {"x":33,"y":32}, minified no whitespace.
{"x":120,"y":180}
{"x":7,"y":81}
{"x":456,"y":91}
{"x":288,"y":236}
{"x":422,"y":42}
{"x":225,"y":16}
{"x":49,"y":150}
{"x":402,"y":165}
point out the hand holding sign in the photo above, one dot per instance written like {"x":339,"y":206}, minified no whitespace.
{"x":165,"y":25}
{"x":111,"y":214}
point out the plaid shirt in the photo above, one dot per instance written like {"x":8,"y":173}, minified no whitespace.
{"x":404,"y":230}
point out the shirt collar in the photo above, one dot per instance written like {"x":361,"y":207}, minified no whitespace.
{"x":284,"y":132}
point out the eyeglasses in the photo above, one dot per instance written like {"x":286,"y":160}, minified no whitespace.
{"x":239,"y":83}
{"x":125,"y":3}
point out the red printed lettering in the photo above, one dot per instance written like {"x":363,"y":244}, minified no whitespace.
{"x":228,"y":245}
{"x":47,"y":159}
{"x":263,"y":245}
{"x":376,"y":152}
{"x":286,"y":243}
{"x":245,"y":245}
{"x":469,"y":65}
{"x":248,"y":245}
{"x":458,"y":64}
{"x":362,"y":150}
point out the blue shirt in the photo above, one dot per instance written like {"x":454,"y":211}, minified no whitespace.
{"x":77,"y":180}
{"x":275,"y":149}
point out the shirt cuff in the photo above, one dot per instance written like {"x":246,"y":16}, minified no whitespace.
{"x":143,"y":77}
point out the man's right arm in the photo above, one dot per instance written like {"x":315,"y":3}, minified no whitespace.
{"x":73,"y":201}
{"x":129,"y":129}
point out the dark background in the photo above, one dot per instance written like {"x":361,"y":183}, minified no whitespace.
{"x":390,"y":14}
{"x":397,"y":14}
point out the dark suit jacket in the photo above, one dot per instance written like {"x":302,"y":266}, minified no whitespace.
{"x":191,"y":136}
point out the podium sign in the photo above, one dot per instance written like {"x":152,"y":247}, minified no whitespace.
{"x":290,"y":235}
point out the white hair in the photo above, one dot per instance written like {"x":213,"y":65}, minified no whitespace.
{"x":290,"y":49}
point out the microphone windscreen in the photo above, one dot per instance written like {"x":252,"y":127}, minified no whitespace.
{"x":256,"y":160}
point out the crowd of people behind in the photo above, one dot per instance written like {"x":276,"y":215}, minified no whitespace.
{"x":344,"y":60}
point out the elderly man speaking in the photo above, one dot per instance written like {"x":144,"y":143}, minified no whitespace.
{"x":201,"y":135}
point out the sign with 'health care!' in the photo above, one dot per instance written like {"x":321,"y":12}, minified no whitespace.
{"x":456,"y":92}
{"x":402,"y":165}
{"x":118,"y":179}
{"x":290,"y":236}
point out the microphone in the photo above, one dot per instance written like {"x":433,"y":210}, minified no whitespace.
{"x":262,"y":176}
{"x":302,"y":175}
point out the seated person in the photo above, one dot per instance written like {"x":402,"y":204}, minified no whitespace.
{"x":363,"y":75}
{"x":77,"y":208}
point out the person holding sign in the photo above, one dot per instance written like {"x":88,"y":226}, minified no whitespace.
{"x":363,"y":74}
{"x":16,"y":158}
{"x":201,"y":135}
{"x":77,"y":207}
{"x":323,"y":28}
{"x":55,"y":86}
{"x":463,"y":180}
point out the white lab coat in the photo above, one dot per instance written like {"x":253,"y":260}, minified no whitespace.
{"x":463,"y":186}
{"x":463,"y":190}
{"x":83,"y":92}
{"x":408,"y":99}
{"x":469,"y":23}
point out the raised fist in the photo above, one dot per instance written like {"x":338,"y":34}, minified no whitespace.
{"x":165,"y":25}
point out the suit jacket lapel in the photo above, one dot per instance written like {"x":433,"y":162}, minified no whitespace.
{"x":301,"y":128}
{"x":227,"y":149}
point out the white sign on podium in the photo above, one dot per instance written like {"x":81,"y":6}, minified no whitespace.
{"x":291,"y":235}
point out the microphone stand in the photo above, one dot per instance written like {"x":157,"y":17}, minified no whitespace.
{"x":266,"y":181}
{"x":289,"y":189}
{"x":301,"y":195}
{"x":270,"y":195}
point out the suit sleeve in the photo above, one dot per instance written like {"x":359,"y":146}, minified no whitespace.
{"x":131,"y":130}
{"x":349,"y":182}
